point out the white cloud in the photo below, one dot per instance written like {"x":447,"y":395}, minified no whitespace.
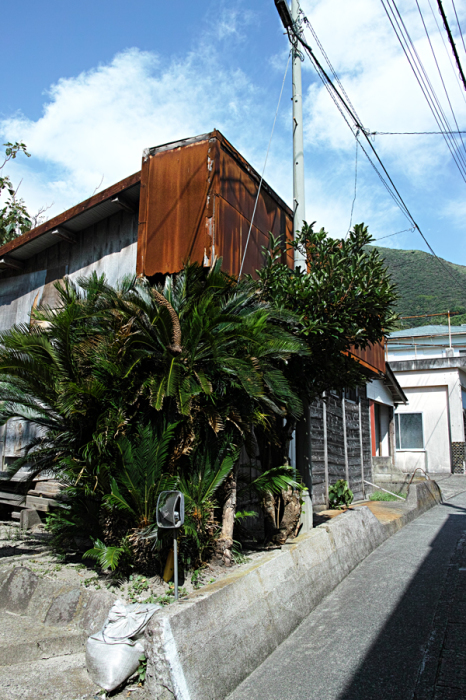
{"x":364,"y":50}
{"x":99,"y":122}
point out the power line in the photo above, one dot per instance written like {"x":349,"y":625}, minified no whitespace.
{"x":424,"y":82}
{"x":458,"y":23}
{"x":412,"y":229}
{"x":343,"y":105}
{"x":412,"y":133}
{"x":438,"y":69}
{"x":263,"y":169}
{"x":355,"y":183}
{"x":448,"y":53}
{"x":452,"y":43}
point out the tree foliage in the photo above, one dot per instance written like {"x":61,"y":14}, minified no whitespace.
{"x":345,"y":298}
{"x":144,"y":387}
{"x":14,"y":217}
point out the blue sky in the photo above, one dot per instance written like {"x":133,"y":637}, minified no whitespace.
{"x":89,"y":85}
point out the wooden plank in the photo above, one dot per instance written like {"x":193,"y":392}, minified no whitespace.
{"x":13,"y":497}
{"x":40,"y":503}
{"x":13,"y":504}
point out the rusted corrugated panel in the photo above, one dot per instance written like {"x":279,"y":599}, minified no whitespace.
{"x":373,"y":357}
{"x":197,"y":200}
{"x":175,"y":208}
{"x":239,"y":188}
{"x":231,"y":236}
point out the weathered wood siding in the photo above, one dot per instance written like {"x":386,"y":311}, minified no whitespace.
{"x":107,"y":247}
{"x":337,"y":468}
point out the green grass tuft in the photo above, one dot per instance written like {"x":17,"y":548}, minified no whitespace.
{"x":382,"y":496}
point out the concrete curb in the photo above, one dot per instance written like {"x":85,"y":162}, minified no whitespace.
{"x":202,"y":648}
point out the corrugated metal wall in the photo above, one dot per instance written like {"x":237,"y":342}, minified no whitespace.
{"x":197,"y":200}
{"x":107,"y":247}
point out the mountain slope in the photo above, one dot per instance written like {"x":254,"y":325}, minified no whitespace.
{"x":425,"y":287}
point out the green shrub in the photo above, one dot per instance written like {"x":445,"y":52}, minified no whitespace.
{"x":340,"y":494}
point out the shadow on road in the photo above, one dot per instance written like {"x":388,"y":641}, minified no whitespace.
{"x":412,"y":656}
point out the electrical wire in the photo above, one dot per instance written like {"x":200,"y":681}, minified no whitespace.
{"x":452,"y":43}
{"x":448,"y":53}
{"x":412,"y":229}
{"x":343,"y":106}
{"x":458,"y":23}
{"x":263,"y":169}
{"x":424,"y":82}
{"x":438,"y":69}
{"x":355,"y":184}
{"x":411,"y":133}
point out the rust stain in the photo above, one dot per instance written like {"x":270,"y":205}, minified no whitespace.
{"x":197,"y":201}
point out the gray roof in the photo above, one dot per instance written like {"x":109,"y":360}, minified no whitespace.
{"x":428,"y":331}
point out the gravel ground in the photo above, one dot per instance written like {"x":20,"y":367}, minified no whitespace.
{"x":32,"y":548}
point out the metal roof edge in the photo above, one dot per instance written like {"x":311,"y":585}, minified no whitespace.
{"x":392,"y":382}
{"x":69,"y":214}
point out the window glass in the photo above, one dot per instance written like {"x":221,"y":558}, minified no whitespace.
{"x":409,"y":431}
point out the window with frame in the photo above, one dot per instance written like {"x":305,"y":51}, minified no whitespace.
{"x":409,"y":434}
{"x":351,"y":395}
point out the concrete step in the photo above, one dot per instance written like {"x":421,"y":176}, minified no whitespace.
{"x":58,"y":678}
{"x":24,"y":639}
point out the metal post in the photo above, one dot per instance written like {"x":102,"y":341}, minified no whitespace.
{"x":345,"y":439}
{"x":449,"y":328}
{"x":298,"y":142}
{"x":175,"y":562}
{"x":361,"y":448}
{"x":324,"y":424}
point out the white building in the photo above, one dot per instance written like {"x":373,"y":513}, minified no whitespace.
{"x":430,"y":365}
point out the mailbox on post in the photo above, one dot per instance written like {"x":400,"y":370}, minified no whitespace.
{"x":170,"y":516}
{"x":170,"y":509}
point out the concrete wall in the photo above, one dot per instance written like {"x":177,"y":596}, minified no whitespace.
{"x":201,"y":649}
{"x":437,"y":394}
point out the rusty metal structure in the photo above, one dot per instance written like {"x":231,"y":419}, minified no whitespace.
{"x":193,"y":199}
{"x":197,"y":200}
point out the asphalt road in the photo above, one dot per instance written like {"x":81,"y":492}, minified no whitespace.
{"x":394,"y":629}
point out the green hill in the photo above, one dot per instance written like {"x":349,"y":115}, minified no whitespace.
{"x":425,"y":287}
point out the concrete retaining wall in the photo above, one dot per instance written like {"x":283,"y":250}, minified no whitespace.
{"x":202,"y":648}
{"x":22,"y":592}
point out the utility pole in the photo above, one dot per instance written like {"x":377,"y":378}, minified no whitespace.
{"x":291,"y":23}
{"x":299,"y":207}
{"x":301,"y":442}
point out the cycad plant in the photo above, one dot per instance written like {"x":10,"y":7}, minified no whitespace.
{"x":208,"y":467}
{"x":142,"y":474}
{"x":200,"y":353}
{"x":140,"y":478}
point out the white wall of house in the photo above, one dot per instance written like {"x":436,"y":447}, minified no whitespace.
{"x":377,"y":391}
{"x":437,"y":395}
